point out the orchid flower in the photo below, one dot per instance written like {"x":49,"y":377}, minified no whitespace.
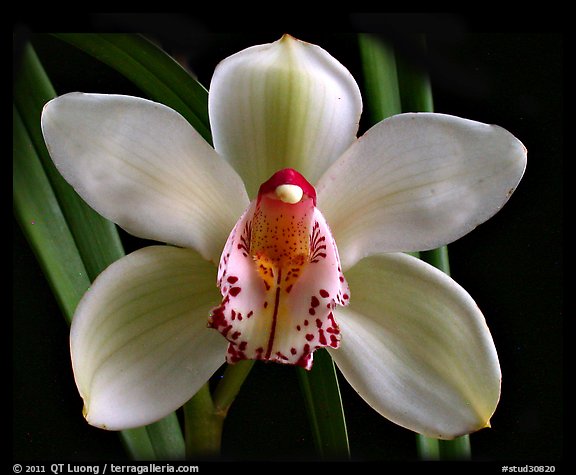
{"x":288,"y":235}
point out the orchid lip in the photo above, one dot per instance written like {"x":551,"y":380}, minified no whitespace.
{"x":280,"y":277}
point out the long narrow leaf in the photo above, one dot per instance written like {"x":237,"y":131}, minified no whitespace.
{"x":324,"y":405}
{"x":152,"y":70}
{"x":38,"y":213}
{"x":72,"y":242}
{"x":416,"y":89}
{"x":380,"y":79}
{"x":96,"y":238}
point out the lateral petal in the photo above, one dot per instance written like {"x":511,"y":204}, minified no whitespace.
{"x":416,"y":347}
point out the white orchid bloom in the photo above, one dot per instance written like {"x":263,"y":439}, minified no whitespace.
{"x":245,"y":216}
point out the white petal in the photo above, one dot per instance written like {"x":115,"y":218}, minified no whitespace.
{"x":143,"y":166}
{"x":139,"y":340}
{"x":416,"y":347}
{"x":284,"y":104}
{"x":418,"y":181}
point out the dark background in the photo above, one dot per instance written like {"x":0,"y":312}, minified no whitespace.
{"x":511,"y":265}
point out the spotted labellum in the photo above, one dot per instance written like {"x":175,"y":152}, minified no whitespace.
{"x":280,"y":276}
{"x":251,"y":269}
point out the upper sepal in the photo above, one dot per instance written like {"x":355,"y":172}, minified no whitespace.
{"x":283,"y":104}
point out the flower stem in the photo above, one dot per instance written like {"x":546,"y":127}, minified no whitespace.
{"x":229,"y":386}
{"x":457,"y":449}
{"x":203,"y":426}
{"x":204,"y":414}
{"x":428,"y":448}
{"x":434,"y":449}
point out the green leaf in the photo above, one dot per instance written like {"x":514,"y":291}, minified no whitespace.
{"x":324,"y":406}
{"x":72,"y":243}
{"x":96,"y":238}
{"x":381,"y":88}
{"x":39,"y":215}
{"x":152,"y":70}
{"x":415,"y":90}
